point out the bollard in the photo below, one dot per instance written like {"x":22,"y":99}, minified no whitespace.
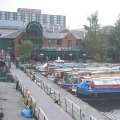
{"x":17,"y":62}
{"x":17,"y":85}
{"x":9,"y":62}
{"x":1,"y":115}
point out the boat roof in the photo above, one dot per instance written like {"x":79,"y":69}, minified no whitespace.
{"x":107,"y":82}
{"x":59,"y":61}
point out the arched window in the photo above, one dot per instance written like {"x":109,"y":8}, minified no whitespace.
{"x":34,"y":32}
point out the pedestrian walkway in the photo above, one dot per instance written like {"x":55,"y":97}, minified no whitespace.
{"x":86,"y":109}
{"x":11,"y":102}
{"x":52,"y":110}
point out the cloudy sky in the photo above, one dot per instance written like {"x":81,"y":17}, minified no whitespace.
{"x":76,"y":11}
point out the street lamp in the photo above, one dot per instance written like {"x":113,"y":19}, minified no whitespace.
{"x":47,"y":58}
{"x":41,"y":54}
{"x":84,"y":56}
{"x":41,"y":57}
{"x":70,"y":56}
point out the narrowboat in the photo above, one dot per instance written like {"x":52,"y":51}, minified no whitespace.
{"x":99,"y":89}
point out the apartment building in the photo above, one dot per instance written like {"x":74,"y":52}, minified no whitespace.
{"x":27,"y":15}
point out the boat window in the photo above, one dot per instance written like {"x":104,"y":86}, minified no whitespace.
{"x":105,"y":81}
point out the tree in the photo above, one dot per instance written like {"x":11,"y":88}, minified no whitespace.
{"x":90,"y":40}
{"x":114,"y":42}
{"x":25,"y":49}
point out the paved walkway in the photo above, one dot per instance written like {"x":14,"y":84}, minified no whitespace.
{"x":11,"y":102}
{"x":87,"y":110}
{"x":52,"y":110}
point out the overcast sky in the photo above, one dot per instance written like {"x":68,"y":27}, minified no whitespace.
{"x":76,"y":11}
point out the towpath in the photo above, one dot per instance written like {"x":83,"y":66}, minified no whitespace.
{"x":52,"y":110}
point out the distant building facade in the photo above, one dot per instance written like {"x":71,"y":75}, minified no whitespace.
{"x":27,"y":15}
{"x":64,"y":44}
{"x":8,"y":26}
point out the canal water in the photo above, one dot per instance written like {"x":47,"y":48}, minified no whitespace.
{"x":109,"y":108}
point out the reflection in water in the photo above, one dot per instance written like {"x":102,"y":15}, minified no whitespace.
{"x":109,"y":108}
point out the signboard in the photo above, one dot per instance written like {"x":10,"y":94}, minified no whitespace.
{"x":28,"y":10}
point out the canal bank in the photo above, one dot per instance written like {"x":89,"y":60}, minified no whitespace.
{"x":11,"y":102}
{"x":87,"y":110}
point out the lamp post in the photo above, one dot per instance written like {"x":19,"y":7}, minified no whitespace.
{"x":46,"y":58}
{"x":84,"y":57}
{"x":41,"y":57}
{"x":70,"y":57}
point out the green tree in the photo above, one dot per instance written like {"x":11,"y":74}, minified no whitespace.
{"x":25,"y":49}
{"x":90,"y":40}
{"x":114,"y":42}
{"x":103,"y":36}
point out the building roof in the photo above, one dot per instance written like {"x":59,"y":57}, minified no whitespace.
{"x":77,"y":34}
{"x":54,"y":35}
{"x":12,"y":34}
{"x":10,"y":27}
{"x":11,"y":24}
{"x":56,"y":30}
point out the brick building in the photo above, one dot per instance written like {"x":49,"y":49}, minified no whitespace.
{"x":51,"y":45}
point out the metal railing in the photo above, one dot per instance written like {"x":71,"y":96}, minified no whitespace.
{"x":54,"y":94}
{"x":61,"y":48}
{"x":70,"y":107}
{"x":41,"y":115}
{"x":76,"y":111}
{"x":29,"y":101}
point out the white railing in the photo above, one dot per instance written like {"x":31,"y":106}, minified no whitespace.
{"x":54,"y":94}
{"x":29,"y":100}
{"x":70,"y":107}
{"x":41,"y":115}
{"x":74,"y":110}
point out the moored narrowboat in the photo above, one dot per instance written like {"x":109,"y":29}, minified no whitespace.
{"x":99,"y":89}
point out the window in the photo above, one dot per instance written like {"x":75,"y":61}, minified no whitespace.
{"x":33,"y":15}
{"x":69,"y":43}
{"x":33,"y":18}
{"x":49,"y":43}
{"x":41,"y":21}
{"x":18,"y":17}
{"x":2,"y":13}
{"x":41,"y":16}
{"x":19,"y":14}
{"x":11,"y":18}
